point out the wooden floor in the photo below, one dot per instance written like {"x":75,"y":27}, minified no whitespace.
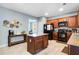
{"x":54,"y":48}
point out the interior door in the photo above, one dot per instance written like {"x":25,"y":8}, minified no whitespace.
{"x":33,"y":26}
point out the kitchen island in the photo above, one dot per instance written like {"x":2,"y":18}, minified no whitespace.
{"x":73,"y":44}
{"x":36,"y":43}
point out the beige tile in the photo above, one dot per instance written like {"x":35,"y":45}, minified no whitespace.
{"x":54,"y":48}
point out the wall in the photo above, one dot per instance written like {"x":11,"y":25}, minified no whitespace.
{"x":41,"y":22}
{"x":6,"y":14}
{"x":33,"y":26}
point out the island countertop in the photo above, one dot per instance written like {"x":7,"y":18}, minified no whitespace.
{"x":36,"y":35}
{"x":74,"y":39}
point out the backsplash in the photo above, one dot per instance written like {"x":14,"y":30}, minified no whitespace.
{"x":69,"y":29}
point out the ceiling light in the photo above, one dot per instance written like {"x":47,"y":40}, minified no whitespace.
{"x":46,"y":14}
{"x":61,"y":9}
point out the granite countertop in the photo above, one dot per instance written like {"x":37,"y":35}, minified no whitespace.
{"x":35,"y":35}
{"x":74,"y":39}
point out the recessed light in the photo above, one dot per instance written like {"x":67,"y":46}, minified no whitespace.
{"x":46,"y":14}
{"x":61,"y":9}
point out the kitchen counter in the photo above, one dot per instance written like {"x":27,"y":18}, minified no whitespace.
{"x":74,"y":39}
{"x":73,"y":44}
{"x":36,"y":35}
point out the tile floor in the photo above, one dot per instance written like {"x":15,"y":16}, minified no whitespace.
{"x":54,"y":48}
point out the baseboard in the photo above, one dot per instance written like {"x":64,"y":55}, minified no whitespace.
{"x":4,"y":45}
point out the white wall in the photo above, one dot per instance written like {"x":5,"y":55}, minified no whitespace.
{"x":6,"y":14}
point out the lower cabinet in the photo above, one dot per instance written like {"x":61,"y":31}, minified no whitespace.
{"x":45,"y":41}
{"x":73,"y":50}
{"x":68,"y":35}
{"x":55,"y":35}
{"x":36,"y":44}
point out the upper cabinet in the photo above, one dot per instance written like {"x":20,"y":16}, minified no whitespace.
{"x":72,"y":21}
{"x":61,"y":19}
{"x":55,"y":22}
{"x":49,"y":21}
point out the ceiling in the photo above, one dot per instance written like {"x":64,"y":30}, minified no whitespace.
{"x":39,"y":9}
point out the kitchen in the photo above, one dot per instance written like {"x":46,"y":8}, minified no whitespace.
{"x":70,"y":27}
{"x":63,"y":30}
{"x":72,"y":24}
{"x":47,"y":34}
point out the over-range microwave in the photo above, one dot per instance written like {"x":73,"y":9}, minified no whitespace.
{"x":63,"y":24}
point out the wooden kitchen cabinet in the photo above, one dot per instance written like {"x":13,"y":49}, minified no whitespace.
{"x":72,"y":21}
{"x":45,"y":40}
{"x":68,"y":35}
{"x":37,"y":43}
{"x":55,"y":22}
{"x":61,"y":19}
{"x":73,"y":50}
{"x":73,"y":44}
{"x":55,"y":35}
{"x":49,"y":21}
